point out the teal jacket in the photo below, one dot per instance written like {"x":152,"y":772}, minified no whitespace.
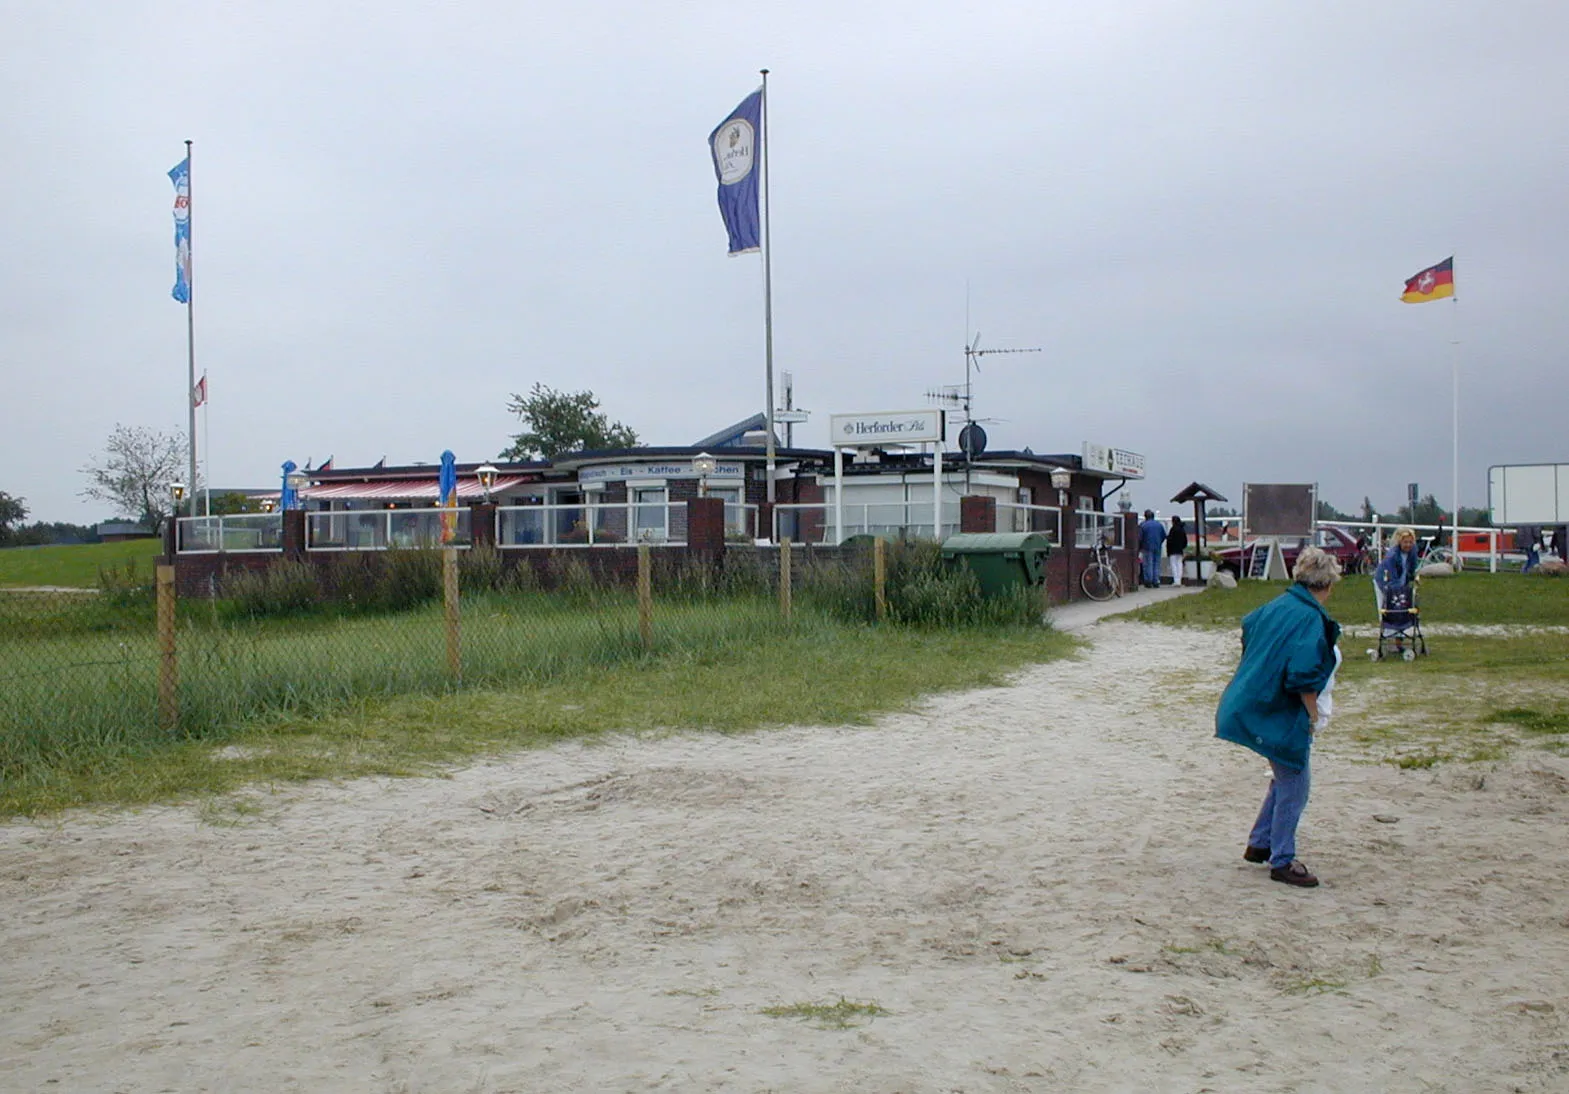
{"x":1288,"y":647}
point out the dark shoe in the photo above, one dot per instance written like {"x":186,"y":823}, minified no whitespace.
{"x":1295,"y":874}
{"x":1255,"y":854}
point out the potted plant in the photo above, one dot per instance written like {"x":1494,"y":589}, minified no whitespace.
{"x":1197,"y":565}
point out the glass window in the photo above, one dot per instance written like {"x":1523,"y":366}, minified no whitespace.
{"x":650,"y":513}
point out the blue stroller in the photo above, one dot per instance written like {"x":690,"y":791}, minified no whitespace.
{"x":1400,"y":625}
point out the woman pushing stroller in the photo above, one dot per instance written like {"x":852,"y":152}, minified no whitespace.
{"x":1398,"y":569}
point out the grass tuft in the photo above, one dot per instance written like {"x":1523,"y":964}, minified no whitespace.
{"x":841,"y":1015}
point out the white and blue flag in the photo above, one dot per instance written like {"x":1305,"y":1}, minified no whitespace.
{"x":737,"y":146}
{"x":180,"y":175}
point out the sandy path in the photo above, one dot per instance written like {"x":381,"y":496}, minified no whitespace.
{"x":1041,"y":884}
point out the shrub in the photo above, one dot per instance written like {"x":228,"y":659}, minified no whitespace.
{"x":123,"y":587}
{"x":286,"y":587}
{"x":409,"y":577}
{"x":480,"y":569}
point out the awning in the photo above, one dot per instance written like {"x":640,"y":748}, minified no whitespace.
{"x":406,"y":489}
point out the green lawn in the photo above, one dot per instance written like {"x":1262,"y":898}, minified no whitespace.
{"x":1469,"y":598}
{"x":75,"y":566}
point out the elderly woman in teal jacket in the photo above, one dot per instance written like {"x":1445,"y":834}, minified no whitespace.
{"x":1278,"y":698}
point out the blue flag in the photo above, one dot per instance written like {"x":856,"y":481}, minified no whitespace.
{"x":737,"y":146}
{"x":180,"y":175}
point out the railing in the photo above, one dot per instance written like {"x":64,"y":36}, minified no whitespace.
{"x":1012,"y":517}
{"x":379,"y":529}
{"x":1091,"y":524}
{"x":814,"y":523}
{"x":237,"y":532}
{"x":539,"y":526}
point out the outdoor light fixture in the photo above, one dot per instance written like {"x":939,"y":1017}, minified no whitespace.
{"x":703,"y":464}
{"x":1061,"y":478}
{"x":177,"y":492}
{"x":268,"y":505}
{"x":487,"y":479}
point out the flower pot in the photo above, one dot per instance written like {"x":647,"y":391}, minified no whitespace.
{"x":1197,"y":569}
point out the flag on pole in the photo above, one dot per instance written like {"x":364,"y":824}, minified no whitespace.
{"x":1433,"y":283}
{"x":736,"y":147}
{"x":180,"y":175}
{"x":448,"y":484}
{"x":199,"y":392}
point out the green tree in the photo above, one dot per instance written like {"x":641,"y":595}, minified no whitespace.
{"x":1327,"y":511}
{"x":556,"y":422}
{"x":12,"y":511}
{"x":134,"y":472}
{"x":234,"y":502}
{"x":1367,"y":508}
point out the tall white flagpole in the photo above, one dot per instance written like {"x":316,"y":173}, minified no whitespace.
{"x":206,"y":447}
{"x":1454,"y":542}
{"x":768,"y":291}
{"x":190,"y":321}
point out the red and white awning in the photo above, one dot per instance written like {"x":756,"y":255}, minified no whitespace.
{"x":406,"y":489}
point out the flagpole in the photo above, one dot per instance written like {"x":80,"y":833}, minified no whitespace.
{"x":768,"y":292}
{"x":1454,"y":542}
{"x":190,"y":322}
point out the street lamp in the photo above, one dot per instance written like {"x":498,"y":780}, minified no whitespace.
{"x":703,"y":465}
{"x":268,"y":505}
{"x":487,"y":479}
{"x":1061,"y":478}
{"x":177,"y":492}
{"x":296,"y":480}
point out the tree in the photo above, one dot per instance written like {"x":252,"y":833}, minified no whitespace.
{"x":1367,"y":508}
{"x":559,"y":421}
{"x":135,"y":471}
{"x":12,"y":511}
{"x":1327,"y":511}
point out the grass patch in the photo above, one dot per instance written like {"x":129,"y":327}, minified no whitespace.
{"x":74,"y":566}
{"x":1313,"y":985}
{"x":841,"y":1015}
{"x":1469,"y":598}
{"x":297,"y":700}
{"x":1530,"y":720}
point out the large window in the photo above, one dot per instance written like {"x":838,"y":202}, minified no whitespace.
{"x":650,"y":512}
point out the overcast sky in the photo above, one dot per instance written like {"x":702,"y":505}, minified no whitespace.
{"x":1202,"y":213}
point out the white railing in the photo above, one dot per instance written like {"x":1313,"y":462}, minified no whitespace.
{"x":236,"y":532}
{"x":1492,"y":544}
{"x":380,"y":529}
{"x":814,"y":522}
{"x":1013,"y":517}
{"x":594,"y":525}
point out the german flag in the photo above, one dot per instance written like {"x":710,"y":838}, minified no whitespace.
{"x":1433,"y":283}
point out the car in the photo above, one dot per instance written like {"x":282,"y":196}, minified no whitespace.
{"x":1351,"y":552}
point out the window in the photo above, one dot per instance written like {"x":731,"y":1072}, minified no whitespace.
{"x":735,"y":515}
{"x":650,"y":512}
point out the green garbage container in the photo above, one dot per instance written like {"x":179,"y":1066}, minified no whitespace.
{"x":1000,"y":560}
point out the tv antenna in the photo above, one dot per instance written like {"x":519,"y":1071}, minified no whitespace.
{"x":972,"y":438}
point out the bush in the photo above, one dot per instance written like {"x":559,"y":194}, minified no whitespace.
{"x":409,"y":577}
{"x":480,"y":570}
{"x":286,"y":587}
{"x":922,"y":590}
{"x":124,"y":587}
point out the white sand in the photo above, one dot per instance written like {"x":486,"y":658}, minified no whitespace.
{"x":1041,"y":884}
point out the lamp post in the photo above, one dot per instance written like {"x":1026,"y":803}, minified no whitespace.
{"x":296,"y":481}
{"x":487,"y":479}
{"x":703,"y":464}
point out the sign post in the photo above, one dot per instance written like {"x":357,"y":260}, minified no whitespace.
{"x":891,"y":427}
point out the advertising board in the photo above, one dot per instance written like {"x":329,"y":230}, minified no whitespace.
{"x":886,"y":427}
{"x":1528,"y":493}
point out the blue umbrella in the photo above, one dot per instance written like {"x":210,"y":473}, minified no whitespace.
{"x":449,"y":496}
{"x":287,"y":497}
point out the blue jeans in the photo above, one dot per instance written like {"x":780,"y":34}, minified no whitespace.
{"x":1149,"y":559}
{"x":1276,"y":827}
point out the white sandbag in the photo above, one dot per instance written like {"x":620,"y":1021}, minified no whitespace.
{"x":1436,"y":569}
{"x":1222,"y":579}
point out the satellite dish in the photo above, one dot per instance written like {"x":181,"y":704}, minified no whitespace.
{"x":972,"y":440}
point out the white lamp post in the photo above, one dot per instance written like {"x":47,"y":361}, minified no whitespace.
{"x":487,"y":479}
{"x":703,"y":464}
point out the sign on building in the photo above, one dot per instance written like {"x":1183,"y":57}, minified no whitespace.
{"x":886,"y":427}
{"x":1113,"y":461}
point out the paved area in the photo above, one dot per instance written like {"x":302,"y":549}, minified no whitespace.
{"x":1081,"y":613}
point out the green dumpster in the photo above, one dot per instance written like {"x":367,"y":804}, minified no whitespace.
{"x":1000,"y":560}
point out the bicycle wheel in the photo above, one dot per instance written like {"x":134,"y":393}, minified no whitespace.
{"x":1446,"y":556}
{"x":1099,"y":582}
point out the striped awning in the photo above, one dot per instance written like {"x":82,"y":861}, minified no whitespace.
{"x":406,"y":489}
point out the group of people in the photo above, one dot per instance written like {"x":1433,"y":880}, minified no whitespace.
{"x":1154,"y":539}
{"x":1535,"y":540}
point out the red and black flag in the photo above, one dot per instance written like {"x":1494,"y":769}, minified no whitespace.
{"x":1433,"y":283}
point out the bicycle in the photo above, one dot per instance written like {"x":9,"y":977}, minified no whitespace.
{"x":1099,"y":579}
{"x":1433,"y":553}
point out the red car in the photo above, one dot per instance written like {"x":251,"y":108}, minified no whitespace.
{"x":1337,"y":541}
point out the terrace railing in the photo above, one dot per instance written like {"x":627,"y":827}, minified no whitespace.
{"x":814,"y":523}
{"x":380,"y":529}
{"x":237,"y":532}
{"x":1046,"y":519}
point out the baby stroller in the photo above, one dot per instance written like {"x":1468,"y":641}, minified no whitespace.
{"x":1400,"y":625}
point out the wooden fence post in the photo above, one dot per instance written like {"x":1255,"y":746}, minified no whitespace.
{"x":786,"y":593}
{"x":880,"y":576}
{"x":645,"y":597}
{"x":168,"y":662}
{"x":449,"y":590}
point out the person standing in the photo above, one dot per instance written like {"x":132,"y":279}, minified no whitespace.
{"x":1528,"y":538}
{"x":1176,"y":545}
{"x":1278,"y":699}
{"x":1151,"y":535}
{"x":1398,"y":569}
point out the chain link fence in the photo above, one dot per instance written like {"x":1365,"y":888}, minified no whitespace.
{"x":131,"y":668}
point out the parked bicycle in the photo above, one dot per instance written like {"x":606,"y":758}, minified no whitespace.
{"x":1099,"y":579}
{"x":1432,"y":552}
